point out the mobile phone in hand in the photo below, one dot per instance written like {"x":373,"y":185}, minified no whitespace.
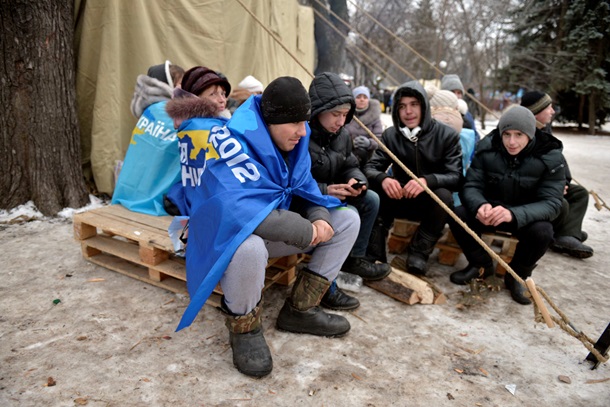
{"x":358,"y":184}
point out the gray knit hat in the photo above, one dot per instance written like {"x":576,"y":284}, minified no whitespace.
{"x":452,"y":82}
{"x":518,"y":118}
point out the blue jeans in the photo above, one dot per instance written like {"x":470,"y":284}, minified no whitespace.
{"x":368,"y":208}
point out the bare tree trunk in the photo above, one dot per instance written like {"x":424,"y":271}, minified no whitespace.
{"x":40,"y":141}
{"x":330,"y":45}
{"x":581,"y":111}
{"x":592,"y":112}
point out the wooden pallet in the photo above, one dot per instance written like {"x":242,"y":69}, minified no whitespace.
{"x":139,"y":246}
{"x":502,"y":243}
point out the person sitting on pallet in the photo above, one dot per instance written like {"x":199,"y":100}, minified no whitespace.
{"x":140,"y":186}
{"x":569,"y":236}
{"x":514,"y":184}
{"x":195,"y":109}
{"x":336,"y":169}
{"x":432,"y":151}
{"x":256,"y":200}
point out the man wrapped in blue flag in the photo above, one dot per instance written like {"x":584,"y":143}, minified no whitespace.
{"x":257,"y":199}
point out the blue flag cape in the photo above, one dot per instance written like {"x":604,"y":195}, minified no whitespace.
{"x":246,"y":177}
{"x":193,"y":135}
{"x":151,"y":165}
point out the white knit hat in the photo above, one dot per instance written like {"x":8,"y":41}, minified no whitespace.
{"x":250,"y":83}
{"x":441,"y":98}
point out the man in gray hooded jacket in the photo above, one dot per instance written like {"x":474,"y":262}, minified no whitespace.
{"x":431,"y":150}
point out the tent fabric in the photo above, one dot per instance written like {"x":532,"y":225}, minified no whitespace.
{"x":115,"y":41}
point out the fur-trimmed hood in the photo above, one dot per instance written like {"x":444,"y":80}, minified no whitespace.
{"x":148,"y":91}
{"x":184,"y":108}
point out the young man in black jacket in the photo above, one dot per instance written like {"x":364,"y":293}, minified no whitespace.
{"x":569,"y":236}
{"x":336,"y":170}
{"x":514,"y":184}
{"x":431,"y":150}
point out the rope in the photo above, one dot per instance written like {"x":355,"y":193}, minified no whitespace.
{"x":563,"y":322}
{"x":368,"y":58}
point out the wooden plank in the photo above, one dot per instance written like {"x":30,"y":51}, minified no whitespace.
{"x":159,"y":222}
{"x":138,"y":272}
{"x":131,"y":253}
{"x":83,"y":231}
{"x":129,"y":229}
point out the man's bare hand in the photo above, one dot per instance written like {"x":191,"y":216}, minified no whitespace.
{"x":392,"y":188}
{"x":493,"y":216}
{"x":413,"y":189}
{"x":343,"y":191}
{"x":322,"y":232}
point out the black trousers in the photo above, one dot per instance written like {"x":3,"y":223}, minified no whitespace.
{"x":534,"y":239}
{"x":423,"y":209}
{"x":573,"y":210}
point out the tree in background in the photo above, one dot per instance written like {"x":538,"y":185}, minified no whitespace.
{"x":40,"y":142}
{"x":330,"y":43}
{"x":562,"y":48}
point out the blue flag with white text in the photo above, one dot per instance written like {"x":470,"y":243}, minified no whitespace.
{"x":246,"y":177}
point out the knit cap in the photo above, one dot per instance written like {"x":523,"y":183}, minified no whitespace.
{"x":361,"y":90}
{"x":251,"y":84}
{"x":536,"y":101}
{"x":440,"y":98}
{"x":518,"y":118}
{"x":161,"y":73}
{"x":452,"y":82}
{"x":199,"y":78}
{"x":285,"y":100}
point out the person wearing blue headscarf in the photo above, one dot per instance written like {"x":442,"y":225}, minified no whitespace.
{"x":256,"y":200}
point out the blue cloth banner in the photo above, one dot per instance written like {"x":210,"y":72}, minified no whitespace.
{"x":246,"y":177}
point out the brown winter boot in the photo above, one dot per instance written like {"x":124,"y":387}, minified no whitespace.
{"x":301,"y":312}
{"x":251,"y":355}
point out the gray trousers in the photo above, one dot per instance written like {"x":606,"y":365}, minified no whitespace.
{"x":242,"y":283}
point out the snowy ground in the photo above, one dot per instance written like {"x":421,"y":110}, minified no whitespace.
{"x":109,"y":340}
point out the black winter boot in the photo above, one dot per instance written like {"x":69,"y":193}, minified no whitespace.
{"x":517,"y":291}
{"x":376,"y":249}
{"x":301,"y":312}
{"x":572,"y":247}
{"x":419,"y":251}
{"x":336,"y":299}
{"x":471,"y":272}
{"x":367,"y":270}
{"x":251,"y":355}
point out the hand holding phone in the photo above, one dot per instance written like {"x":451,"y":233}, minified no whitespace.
{"x":358,"y":184}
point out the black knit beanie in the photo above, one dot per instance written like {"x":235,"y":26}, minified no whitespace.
{"x":518,"y":118}
{"x":199,"y":78}
{"x":536,"y":101}
{"x":285,"y":100}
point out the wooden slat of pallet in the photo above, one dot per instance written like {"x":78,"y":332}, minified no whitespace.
{"x":130,"y":252}
{"x":138,"y":272}
{"x":117,"y":225}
